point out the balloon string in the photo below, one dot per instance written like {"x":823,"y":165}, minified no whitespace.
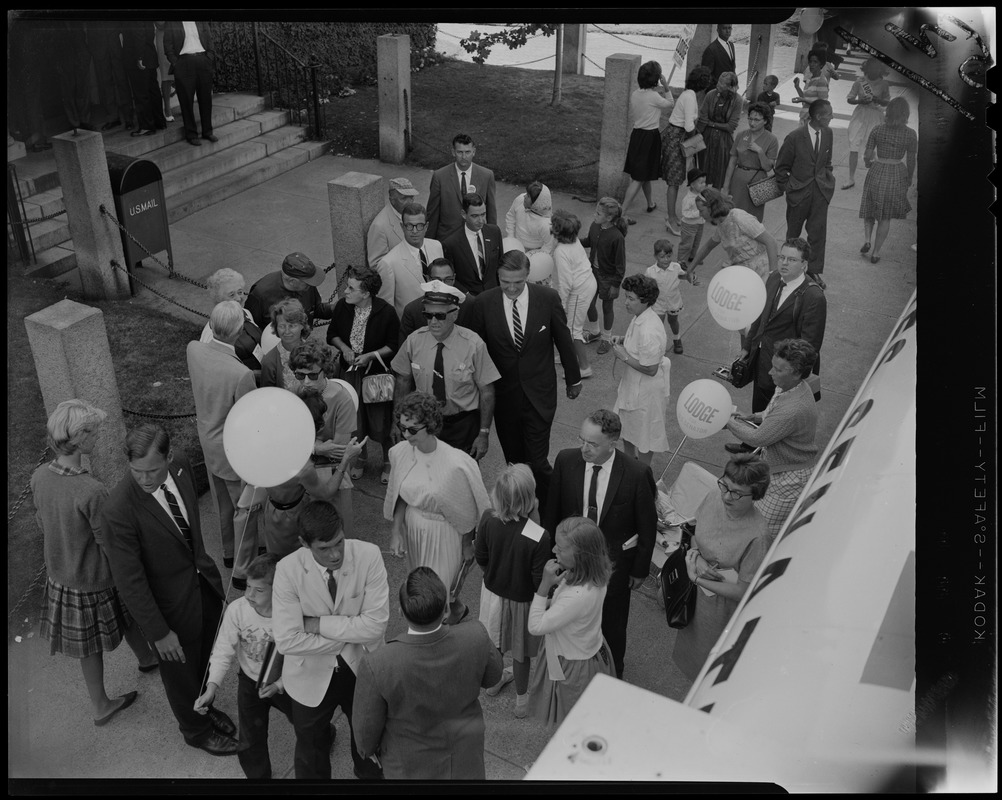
{"x":670,"y":460}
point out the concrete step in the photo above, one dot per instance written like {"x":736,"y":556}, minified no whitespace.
{"x":53,"y":262}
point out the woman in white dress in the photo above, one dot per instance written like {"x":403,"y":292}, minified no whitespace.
{"x":528,"y":219}
{"x":575,"y":280}
{"x":644,"y":387}
{"x":435,"y":497}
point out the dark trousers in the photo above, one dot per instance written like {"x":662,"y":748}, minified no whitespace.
{"x":313,"y":735}
{"x":616,"y":608}
{"x":812,"y":210}
{"x":183,"y":682}
{"x":113,"y":84}
{"x":525,"y":438}
{"x":253,"y":714}
{"x":149,"y":102}
{"x":460,"y":430}
{"x":74,"y":87}
{"x":193,"y":77}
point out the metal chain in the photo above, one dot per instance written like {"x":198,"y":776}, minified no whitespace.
{"x":635,"y":44}
{"x":37,"y":581}
{"x":158,"y":416}
{"x":599,"y":66}
{"x":24,"y":492}
{"x":170,"y":270}
{"x":143,"y":283}
{"x":32,"y":220}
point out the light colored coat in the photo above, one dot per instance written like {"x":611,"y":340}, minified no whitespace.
{"x":401,"y":273}
{"x":218,"y":380}
{"x":385,"y":232}
{"x":351,"y":625}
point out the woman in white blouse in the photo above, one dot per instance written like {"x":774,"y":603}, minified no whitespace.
{"x":528,"y":219}
{"x":643,"y":154}
{"x":573,"y":648}
{"x":681,"y":126}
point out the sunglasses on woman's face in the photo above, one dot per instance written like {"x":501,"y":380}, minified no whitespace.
{"x":410,"y":431}
{"x":302,"y":376}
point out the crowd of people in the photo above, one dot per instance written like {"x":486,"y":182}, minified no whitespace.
{"x":440,"y":337}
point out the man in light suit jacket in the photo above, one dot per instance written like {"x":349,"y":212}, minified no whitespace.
{"x":330,"y":605}
{"x":475,"y":249}
{"x":386,"y":230}
{"x":619,"y":497}
{"x":405,"y":267}
{"x":526,"y":393}
{"x":417,"y":700}
{"x":454,"y":181}
{"x":804,"y":172}
{"x":719,"y":54}
{"x":218,"y":380}
{"x":153,"y":540}
{"x":188,"y":48}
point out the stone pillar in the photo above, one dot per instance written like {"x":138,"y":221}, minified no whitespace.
{"x":355,"y":199}
{"x":620,"y":80}
{"x":700,"y":40}
{"x":762,"y":66}
{"x":83,"y":174}
{"x":73,"y":360}
{"x":574,"y":49}
{"x":393,"y":63}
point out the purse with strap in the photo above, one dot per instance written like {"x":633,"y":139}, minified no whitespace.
{"x":677,"y":589}
{"x":377,"y":388}
{"x":743,"y":369}
{"x":764,"y":190}
{"x":692,"y":145}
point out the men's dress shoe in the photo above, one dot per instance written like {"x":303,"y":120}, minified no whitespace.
{"x":149,"y":667}
{"x":677,"y":347}
{"x":218,"y":745}
{"x":240,"y":584}
{"x":604,"y":347}
{"x":737,"y":447}
{"x":221,"y":722}
{"x":211,"y":138}
{"x":128,"y":125}
{"x":111,"y":124}
{"x":194,"y":142}
{"x":142,"y":132}
{"x":368,"y":771}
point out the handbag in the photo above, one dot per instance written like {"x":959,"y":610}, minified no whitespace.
{"x":692,"y":145}
{"x":378,"y":388}
{"x":743,"y":369}
{"x":761,"y":192}
{"x":677,"y":589}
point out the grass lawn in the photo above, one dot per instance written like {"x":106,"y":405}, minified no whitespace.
{"x":513,"y":123}
{"x":148,"y":350}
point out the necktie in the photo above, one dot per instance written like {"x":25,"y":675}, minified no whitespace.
{"x":424,"y":263}
{"x":175,"y":510}
{"x":438,"y":377}
{"x":480,"y":257}
{"x":462,"y":188}
{"x":730,"y":47}
{"x":817,"y":143}
{"x":517,"y":324}
{"x":779,"y":294}
{"x":593,"y":494}
{"x":332,"y":585}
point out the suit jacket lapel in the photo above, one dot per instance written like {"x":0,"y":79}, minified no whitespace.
{"x":152,"y":507}
{"x":615,"y":478}
{"x":578,"y":476}
{"x":774,"y":308}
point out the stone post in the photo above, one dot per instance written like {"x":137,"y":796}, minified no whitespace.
{"x":574,"y":49}
{"x":393,"y":64}
{"x":759,"y":44}
{"x":73,"y":360}
{"x":700,"y":40}
{"x":83,"y":174}
{"x":355,"y":199}
{"x":620,"y":80}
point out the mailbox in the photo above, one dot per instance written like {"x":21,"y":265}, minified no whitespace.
{"x":138,"y":189}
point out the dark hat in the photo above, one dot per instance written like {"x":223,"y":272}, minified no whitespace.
{"x":440,"y":292}
{"x":296,"y":265}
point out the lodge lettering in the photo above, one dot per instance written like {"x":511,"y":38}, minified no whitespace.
{"x":727,"y":299}
{"x":699,"y":409}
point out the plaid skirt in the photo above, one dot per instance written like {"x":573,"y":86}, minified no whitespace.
{"x":80,"y":624}
{"x":885,"y":192}
{"x":784,"y":489}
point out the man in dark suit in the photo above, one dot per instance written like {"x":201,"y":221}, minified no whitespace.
{"x":418,"y":698}
{"x":188,"y":47}
{"x":804,"y":172}
{"x":795,"y":309}
{"x":521,"y":323}
{"x":141,"y":61}
{"x":453,"y":182}
{"x":718,"y":56}
{"x":617,"y":492}
{"x":153,"y":540}
{"x":475,"y":249}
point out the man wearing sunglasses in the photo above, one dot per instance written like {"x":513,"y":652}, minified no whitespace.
{"x":451,"y":363}
{"x":440,"y":269}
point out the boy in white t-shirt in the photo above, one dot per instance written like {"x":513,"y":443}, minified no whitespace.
{"x":691,"y":220}
{"x":667,"y":273}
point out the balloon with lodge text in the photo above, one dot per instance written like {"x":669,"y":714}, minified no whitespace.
{"x":268,"y":436}
{"x":735,"y":297}
{"x":510,"y":243}
{"x":703,"y":408}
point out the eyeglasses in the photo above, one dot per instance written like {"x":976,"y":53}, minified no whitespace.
{"x":788,"y":258}
{"x":410,"y":431}
{"x":439,"y":315}
{"x":729,"y":491}
{"x":415,"y":226}
{"x":302,"y":376}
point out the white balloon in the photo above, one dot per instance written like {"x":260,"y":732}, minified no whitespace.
{"x":703,"y":408}
{"x":510,"y":243}
{"x":268,"y":436}
{"x":735,"y":297}
{"x":811,"y":19}
{"x":540,"y":266}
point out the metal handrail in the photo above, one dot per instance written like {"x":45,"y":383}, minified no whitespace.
{"x":282,"y":87}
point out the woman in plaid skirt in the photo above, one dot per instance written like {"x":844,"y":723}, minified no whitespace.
{"x":82,"y":614}
{"x":885,"y":193}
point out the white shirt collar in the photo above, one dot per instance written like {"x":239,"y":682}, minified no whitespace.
{"x":524,"y":295}
{"x":225,"y":344}
{"x":795,"y":283}
{"x":413,"y":632}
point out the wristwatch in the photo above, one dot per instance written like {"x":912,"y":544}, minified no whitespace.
{"x":485,"y":430}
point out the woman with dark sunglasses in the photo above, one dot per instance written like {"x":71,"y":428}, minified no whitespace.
{"x":435,"y":497}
